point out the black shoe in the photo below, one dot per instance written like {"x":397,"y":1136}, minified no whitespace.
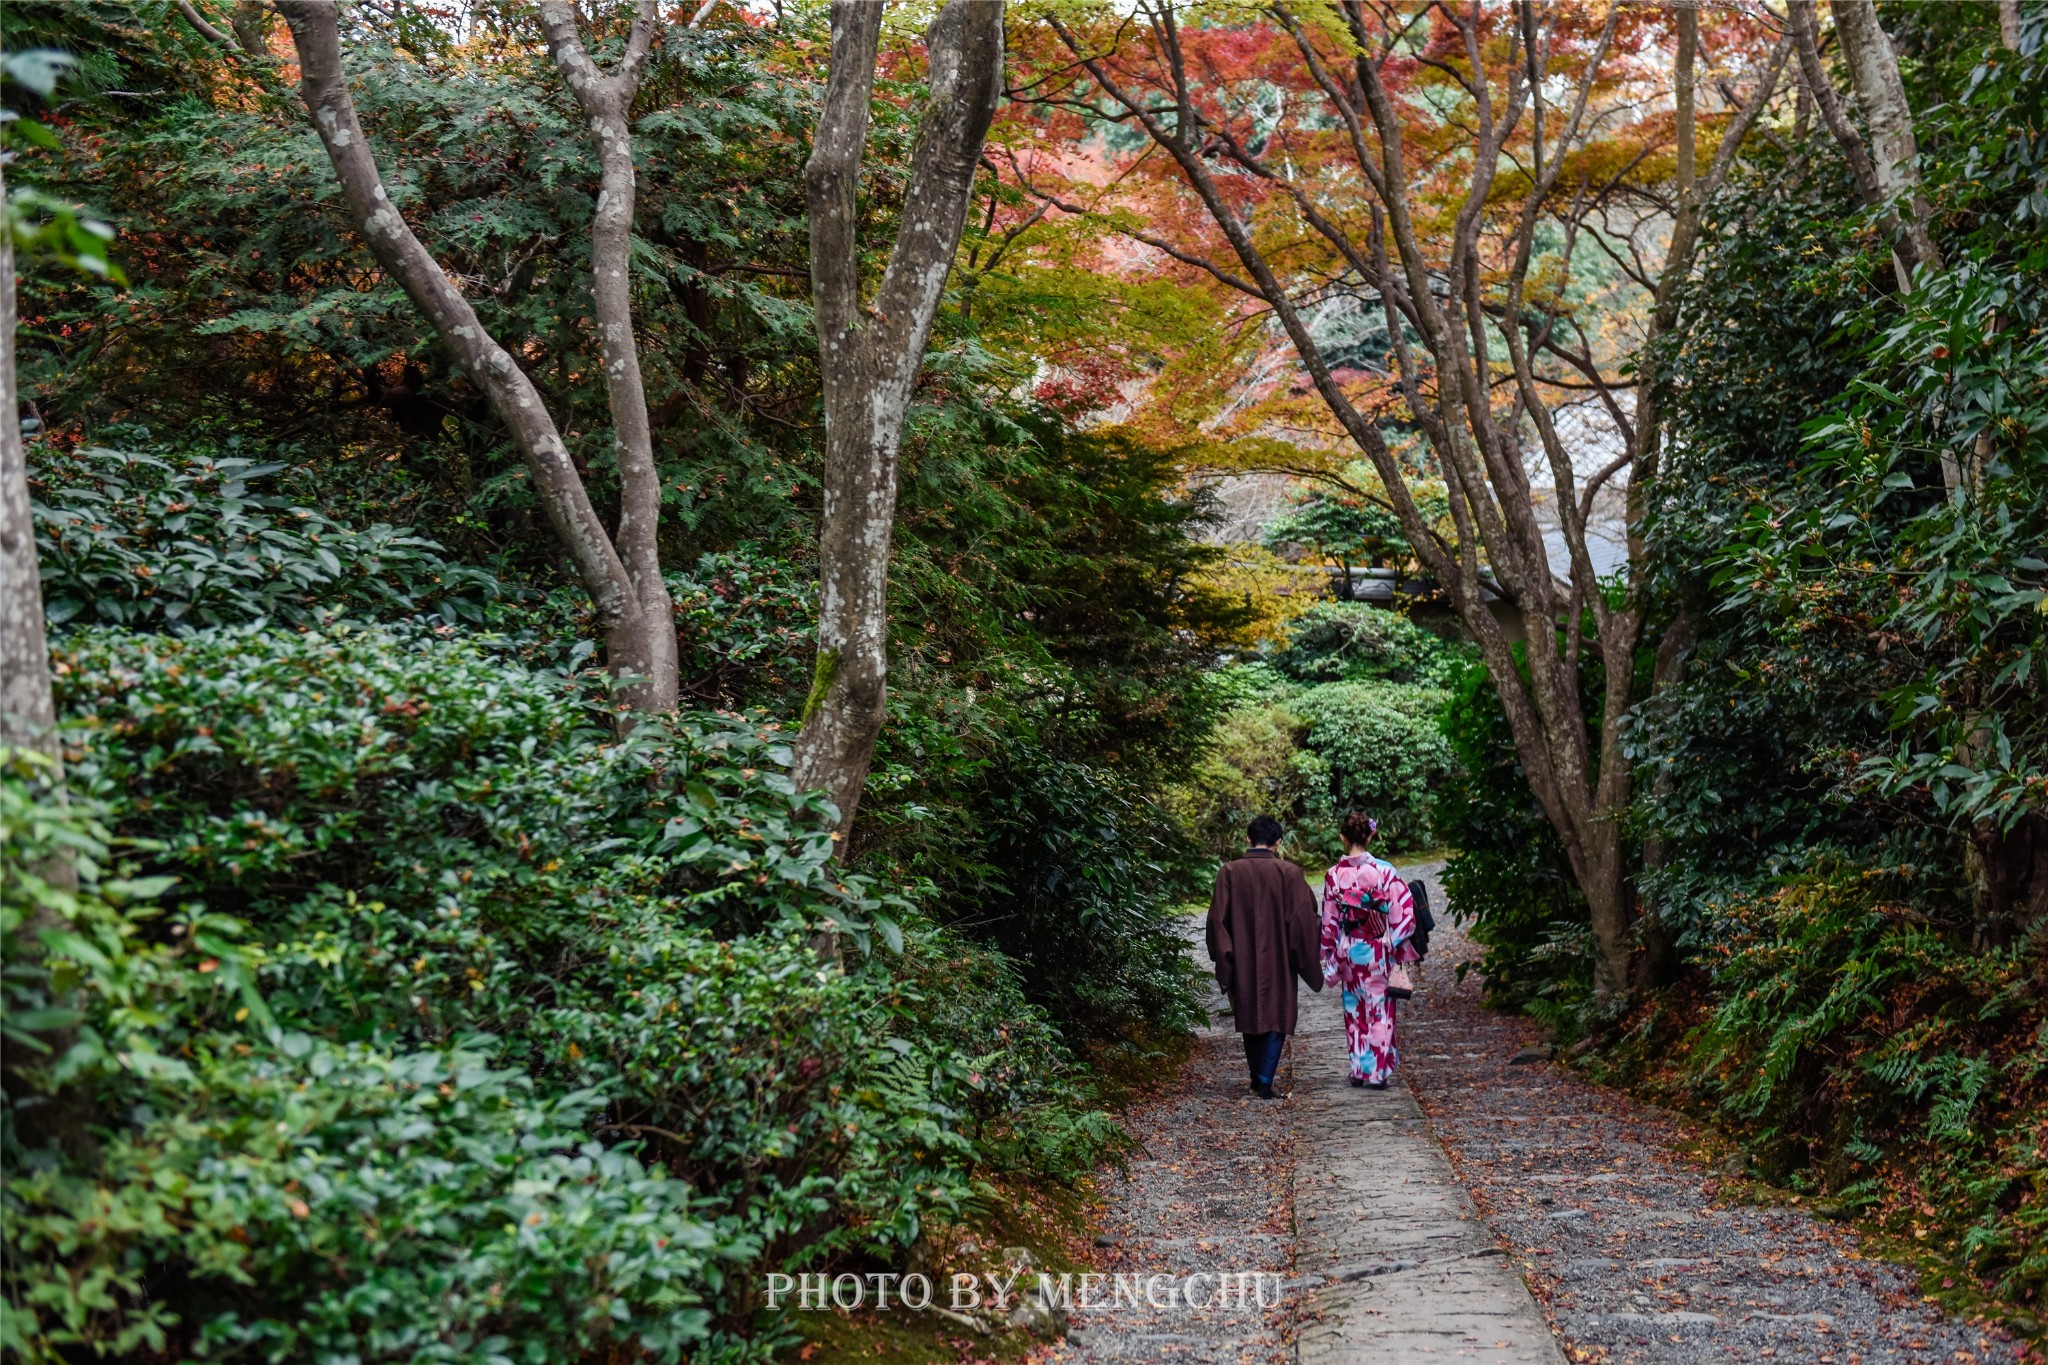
{"x":1264,"y":1092}
{"x":1358,"y":1080}
{"x":1376,"y":1085}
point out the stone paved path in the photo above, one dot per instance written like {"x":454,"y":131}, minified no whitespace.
{"x":1376,"y":1255}
{"x":1621,"y":1234}
{"x":1393,"y":1259}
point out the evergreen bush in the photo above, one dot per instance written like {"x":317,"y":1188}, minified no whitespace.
{"x":474,"y":1030}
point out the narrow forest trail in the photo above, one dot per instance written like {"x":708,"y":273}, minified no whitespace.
{"x":1340,"y":1196}
{"x":1414,"y":1227}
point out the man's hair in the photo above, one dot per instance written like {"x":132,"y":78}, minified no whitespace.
{"x":1266,"y":830}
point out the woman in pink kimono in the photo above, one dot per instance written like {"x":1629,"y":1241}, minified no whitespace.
{"x":1368,"y":918}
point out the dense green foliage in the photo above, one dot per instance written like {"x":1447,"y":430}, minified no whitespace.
{"x":1375,"y":748}
{"x":1347,"y":531}
{"x":1045,"y":598}
{"x":1348,"y":526}
{"x":1348,"y":642}
{"x":255,"y":311}
{"x":369,"y":996}
{"x":1341,"y":716}
{"x":443,"y":881}
{"x":149,"y":542}
{"x":1507,"y":875}
{"x":414,"y":1014}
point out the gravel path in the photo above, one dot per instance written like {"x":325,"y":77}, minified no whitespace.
{"x":1208,"y":1190}
{"x":1621,"y":1235}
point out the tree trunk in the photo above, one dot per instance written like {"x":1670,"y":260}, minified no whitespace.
{"x":315,"y":34}
{"x":1805,"y":26}
{"x":1881,"y":93}
{"x":28,"y":714}
{"x":870,"y":356}
{"x":1660,"y":948}
{"x":1685,"y":177}
{"x":606,"y":102}
{"x":1603,"y":875}
{"x":251,"y":22}
{"x":1806,"y":33}
{"x":2009,"y":869}
{"x":28,"y":721}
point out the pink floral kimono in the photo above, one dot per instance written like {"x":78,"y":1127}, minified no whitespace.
{"x":1359,"y":965}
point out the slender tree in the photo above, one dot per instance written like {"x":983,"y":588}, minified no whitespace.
{"x":1893,"y":179}
{"x":625,"y":625}
{"x":606,"y":101}
{"x":870,"y":354}
{"x":1447,"y":165}
{"x":1889,"y":181}
{"x":1881,"y":93}
{"x":28,"y":712}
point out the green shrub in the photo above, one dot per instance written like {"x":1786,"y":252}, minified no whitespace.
{"x":305,"y":1199}
{"x":745,"y":623}
{"x":1353,"y":642}
{"x":97,"y":974}
{"x":1252,"y":766}
{"x":1236,"y":687}
{"x":1374,"y":747}
{"x":316,"y":1201}
{"x":1867,"y":1051}
{"x":183,"y":540}
{"x":555,"y":1060}
{"x":1028,"y":1110}
{"x":1092,"y":870}
{"x":1360,"y":734}
{"x":1508,"y":878}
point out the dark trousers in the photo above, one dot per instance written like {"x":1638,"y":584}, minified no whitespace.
{"x":1262,"y":1055}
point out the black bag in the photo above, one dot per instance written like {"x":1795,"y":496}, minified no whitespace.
{"x":1418,"y":891}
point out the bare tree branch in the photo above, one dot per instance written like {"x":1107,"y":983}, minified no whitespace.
{"x":204,"y":29}
{"x":1449,"y":306}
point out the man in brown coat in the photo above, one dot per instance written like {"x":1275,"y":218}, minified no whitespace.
{"x":1263,"y":933}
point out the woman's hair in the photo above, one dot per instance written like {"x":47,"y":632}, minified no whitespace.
{"x":1265,"y":831}
{"x":1358,"y":829}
